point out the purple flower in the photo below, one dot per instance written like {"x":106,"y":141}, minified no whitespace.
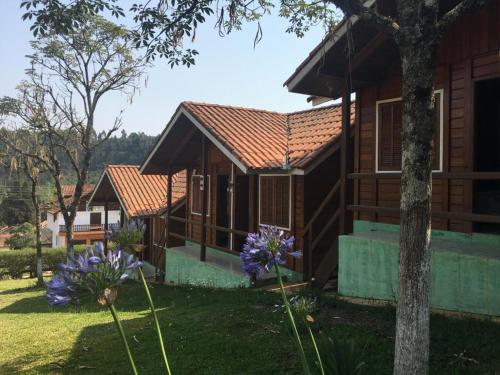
{"x":99,"y":247}
{"x":92,"y":273}
{"x":262,"y":250}
{"x":136,"y":224}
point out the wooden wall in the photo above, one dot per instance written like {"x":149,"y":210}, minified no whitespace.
{"x":219,"y":164}
{"x":468,"y":53}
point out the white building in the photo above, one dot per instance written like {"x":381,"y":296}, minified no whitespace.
{"x":89,"y":223}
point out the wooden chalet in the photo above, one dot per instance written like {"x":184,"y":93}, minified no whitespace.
{"x":141,"y":197}
{"x":245,"y":168}
{"x":466,"y":177}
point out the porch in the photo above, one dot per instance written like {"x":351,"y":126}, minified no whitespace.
{"x":220,"y":269}
{"x":465,"y":268}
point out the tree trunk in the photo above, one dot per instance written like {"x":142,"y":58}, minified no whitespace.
{"x":70,"y":249}
{"x":412,"y":327}
{"x":38,"y":235}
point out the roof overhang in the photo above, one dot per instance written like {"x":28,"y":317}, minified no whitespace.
{"x":311,"y":66}
{"x":155,"y":164}
{"x":105,"y":192}
{"x":356,"y":48}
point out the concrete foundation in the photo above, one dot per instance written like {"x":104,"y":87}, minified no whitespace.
{"x":465,"y":269}
{"x":220,"y":270}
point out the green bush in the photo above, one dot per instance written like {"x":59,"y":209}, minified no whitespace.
{"x":15,"y":263}
{"x":131,"y":234}
{"x":22,"y":236}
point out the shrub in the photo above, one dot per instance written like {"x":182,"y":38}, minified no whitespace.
{"x":15,"y":263}
{"x":22,"y":236}
{"x":130,"y":234}
{"x":343,"y":357}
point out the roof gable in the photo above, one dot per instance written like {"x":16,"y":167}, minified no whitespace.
{"x":259,"y":140}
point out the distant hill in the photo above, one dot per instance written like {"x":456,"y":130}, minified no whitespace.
{"x":124,"y":149}
{"x":121,"y":149}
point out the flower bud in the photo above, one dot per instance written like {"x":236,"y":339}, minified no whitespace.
{"x":107,"y":297}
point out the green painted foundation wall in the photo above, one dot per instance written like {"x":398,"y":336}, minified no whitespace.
{"x":181,"y":268}
{"x":465,"y":269}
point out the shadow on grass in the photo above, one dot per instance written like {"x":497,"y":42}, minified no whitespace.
{"x":31,"y":288}
{"x":130,"y":299}
{"x":194,"y":347}
{"x":36,"y":364}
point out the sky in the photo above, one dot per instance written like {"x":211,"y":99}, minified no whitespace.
{"x":228,"y":71}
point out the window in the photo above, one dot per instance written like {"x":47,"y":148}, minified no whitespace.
{"x":388,"y":132}
{"x":197,"y":194}
{"x":274,"y":201}
{"x":95,"y":218}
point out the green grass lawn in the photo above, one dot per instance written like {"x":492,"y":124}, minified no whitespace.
{"x":212,"y":332}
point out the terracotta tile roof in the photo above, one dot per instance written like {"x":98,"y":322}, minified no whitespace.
{"x":68,"y":191}
{"x":144,"y":195}
{"x":312,"y":131}
{"x":6,"y":229}
{"x":258,"y":138}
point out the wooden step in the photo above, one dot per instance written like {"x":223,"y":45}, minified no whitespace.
{"x":289,"y":288}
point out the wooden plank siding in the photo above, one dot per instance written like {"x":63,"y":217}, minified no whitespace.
{"x":468,"y":53}
{"x":219,"y":165}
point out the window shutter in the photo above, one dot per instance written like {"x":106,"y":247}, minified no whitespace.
{"x":266,"y":200}
{"x":397,"y":127}
{"x":283,"y":201}
{"x":390,"y":123}
{"x":275,"y":200}
{"x":197,"y":196}
{"x":437,"y":134}
{"x":389,"y":142}
{"x":385,"y":137}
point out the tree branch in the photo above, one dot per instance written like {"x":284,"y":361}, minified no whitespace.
{"x":357,"y":7}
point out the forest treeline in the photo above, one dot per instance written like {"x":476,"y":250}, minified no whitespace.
{"x":15,"y":204}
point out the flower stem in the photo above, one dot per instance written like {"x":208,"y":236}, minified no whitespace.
{"x":122,"y":335}
{"x":298,"y":342}
{"x":155,"y":317}
{"x":316,"y":349}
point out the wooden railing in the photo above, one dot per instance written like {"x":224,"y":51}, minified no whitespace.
{"x":158,"y":255}
{"x":435,"y":175}
{"x":318,"y":265}
{"x":449,"y":215}
{"x":208,"y":226}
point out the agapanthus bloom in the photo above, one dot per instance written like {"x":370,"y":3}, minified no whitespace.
{"x":93,"y":273}
{"x":130,"y":234}
{"x":136,"y":224}
{"x":304,"y":307}
{"x":262,"y":250}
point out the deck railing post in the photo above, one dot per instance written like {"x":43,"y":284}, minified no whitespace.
{"x":106,"y":225}
{"x":204,"y":186}
{"x":310,"y":258}
{"x":168,"y":221}
{"x":344,"y":154}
